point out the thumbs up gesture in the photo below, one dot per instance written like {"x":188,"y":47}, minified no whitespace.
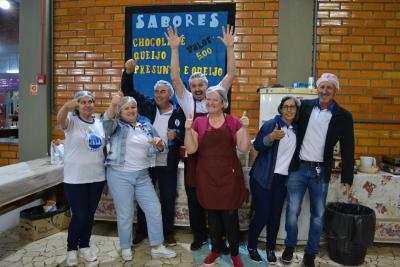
{"x":277,"y":133}
{"x":245,"y":120}
{"x":189,"y":122}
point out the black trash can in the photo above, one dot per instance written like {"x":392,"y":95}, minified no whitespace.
{"x":350,"y":229}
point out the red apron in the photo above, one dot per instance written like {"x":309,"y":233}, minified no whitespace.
{"x":220,"y":182}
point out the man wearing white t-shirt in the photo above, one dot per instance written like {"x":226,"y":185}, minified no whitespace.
{"x":193,"y":104}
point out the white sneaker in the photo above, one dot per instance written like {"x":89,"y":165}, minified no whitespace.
{"x":162,"y":252}
{"x":88,"y":254}
{"x":72,"y":258}
{"x":126,"y":254}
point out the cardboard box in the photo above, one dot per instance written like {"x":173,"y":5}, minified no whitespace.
{"x":35,"y":224}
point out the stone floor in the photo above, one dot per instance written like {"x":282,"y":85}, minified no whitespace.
{"x":51,"y":251}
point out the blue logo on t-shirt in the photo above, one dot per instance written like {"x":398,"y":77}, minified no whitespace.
{"x":93,"y":141}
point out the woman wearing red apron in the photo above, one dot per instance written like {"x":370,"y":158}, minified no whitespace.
{"x":220,"y":184}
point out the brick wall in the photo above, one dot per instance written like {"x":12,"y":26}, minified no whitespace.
{"x":360,"y":42}
{"x":89,"y":50}
{"x":357,"y":40}
{"x":8,"y":154}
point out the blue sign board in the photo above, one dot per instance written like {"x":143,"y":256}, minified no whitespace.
{"x":200,"y":49}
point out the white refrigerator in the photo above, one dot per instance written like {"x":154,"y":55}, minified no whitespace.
{"x":271,"y":97}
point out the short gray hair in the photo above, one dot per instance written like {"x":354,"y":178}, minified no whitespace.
{"x":165,"y":83}
{"x":221,"y":92}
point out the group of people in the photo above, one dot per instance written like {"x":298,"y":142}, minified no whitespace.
{"x":144,"y":136}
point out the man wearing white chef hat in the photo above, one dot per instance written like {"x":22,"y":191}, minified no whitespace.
{"x":322,"y":123}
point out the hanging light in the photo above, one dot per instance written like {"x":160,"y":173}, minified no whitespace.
{"x":4,"y":4}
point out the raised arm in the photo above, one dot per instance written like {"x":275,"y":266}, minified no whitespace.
{"x":113,"y":108}
{"x":63,"y":113}
{"x":228,"y":38}
{"x":191,"y":141}
{"x":242,"y":136}
{"x":127,"y":77}
{"x":174,"y":41}
{"x":127,"y":85}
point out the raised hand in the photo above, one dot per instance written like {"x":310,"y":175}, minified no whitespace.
{"x":171,"y":134}
{"x":189,"y":122}
{"x":71,"y":105}
{"x":172,"y":37}
{"x":277,"y":134}
{"x":245,"y":120}
{"x":130,"y":65}
{"x":116,"y":98}
{"x":228,"y":36}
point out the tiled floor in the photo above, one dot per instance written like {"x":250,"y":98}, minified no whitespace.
{"x":51,"y":251}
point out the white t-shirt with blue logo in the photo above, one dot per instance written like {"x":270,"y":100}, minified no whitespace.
{"x":83,"y":155}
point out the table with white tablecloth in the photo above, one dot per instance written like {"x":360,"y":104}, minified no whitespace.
{"x":106,"y":211}
{"x":380,"y":191}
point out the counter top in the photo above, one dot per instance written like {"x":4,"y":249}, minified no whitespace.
{"x":9,"y":141}
{"x":26,"y":178}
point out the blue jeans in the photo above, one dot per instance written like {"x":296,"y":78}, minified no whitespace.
{"x":125,"y":187}
{"x":306,"y":178}
{"x":167,"y":182}
{"x":83,"y":200}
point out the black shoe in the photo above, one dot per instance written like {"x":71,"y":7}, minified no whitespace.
{"x":308,"y":260}
{"x":139,"y":237}
{"x":197,"y":244}
{"x":225,"y":249}
{"x":253,"y":254}
{"x":170,"y":240}
{"x":271,"y":256}
{"x":287,"y":255}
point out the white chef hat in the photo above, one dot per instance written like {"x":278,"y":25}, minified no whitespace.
{"x":221,"y":92}
{"x":197,"y":75}
{"x":80,"y":94}
{"x":124,"y":101}
{"x":329,"y":77}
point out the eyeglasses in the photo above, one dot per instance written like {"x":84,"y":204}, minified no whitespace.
{"x":289,"y":107}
